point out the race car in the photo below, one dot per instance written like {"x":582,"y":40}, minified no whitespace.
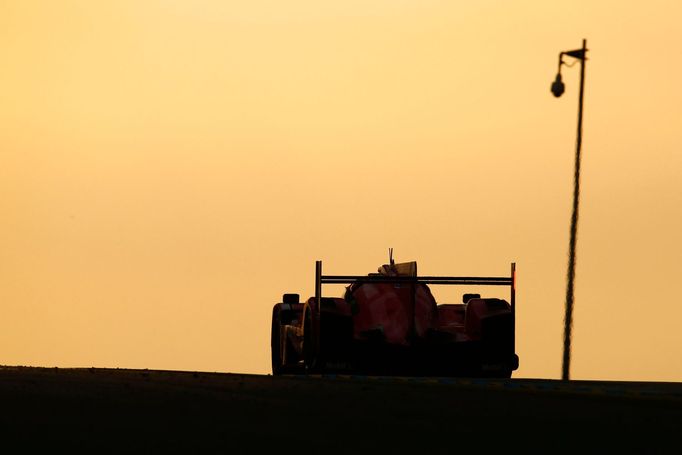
{"x":389,"y":323}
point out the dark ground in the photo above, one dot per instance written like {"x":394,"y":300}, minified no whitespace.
{"x":124,"y":411}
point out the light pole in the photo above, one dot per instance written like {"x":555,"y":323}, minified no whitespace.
{"x":558,"y":89}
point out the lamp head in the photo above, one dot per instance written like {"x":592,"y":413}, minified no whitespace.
{"x":558,"y":86}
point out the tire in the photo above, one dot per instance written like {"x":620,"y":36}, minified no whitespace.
{"x":310,"y":342}
{"x":276,"y":343}
{"x":502,"y":374}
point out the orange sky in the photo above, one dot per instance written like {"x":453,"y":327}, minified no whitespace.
{"x":169,"y":168}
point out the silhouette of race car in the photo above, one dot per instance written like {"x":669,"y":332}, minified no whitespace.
{"x":388,"y":323}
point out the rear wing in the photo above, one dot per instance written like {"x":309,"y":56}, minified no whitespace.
{"x":451,"y":280}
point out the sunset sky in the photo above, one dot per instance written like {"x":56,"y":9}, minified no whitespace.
{"x":169,"y":168}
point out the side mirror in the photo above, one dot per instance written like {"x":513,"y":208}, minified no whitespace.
{"x":467,"y":297}
{"x":290,"y":298}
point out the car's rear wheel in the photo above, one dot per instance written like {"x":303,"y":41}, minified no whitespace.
{"x":276,"y":342}
{"x":503,"y":374}
{"x":311,"y":352}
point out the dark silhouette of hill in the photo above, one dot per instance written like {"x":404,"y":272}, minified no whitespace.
{"x":112,"y":410}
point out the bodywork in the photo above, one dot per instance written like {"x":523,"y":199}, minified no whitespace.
{"x":390,"y":323}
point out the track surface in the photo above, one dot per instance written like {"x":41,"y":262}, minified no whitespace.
{"x":115,"y":411}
